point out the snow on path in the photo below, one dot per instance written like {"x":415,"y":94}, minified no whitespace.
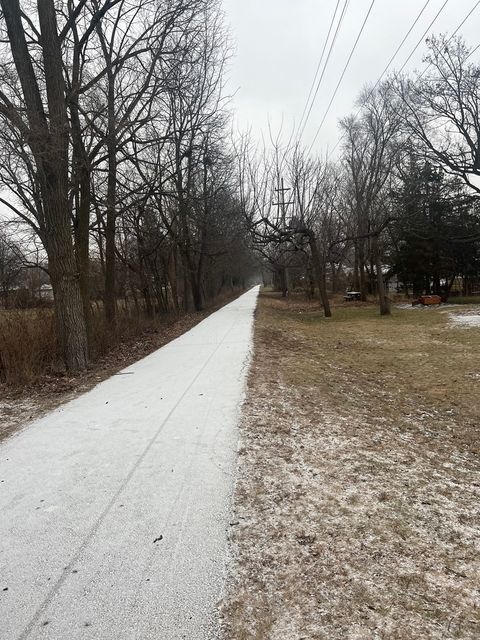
{"x":114,"y":508}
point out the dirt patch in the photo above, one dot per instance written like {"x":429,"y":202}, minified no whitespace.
{"x":20,"y":406}
{"x":356,"y":508}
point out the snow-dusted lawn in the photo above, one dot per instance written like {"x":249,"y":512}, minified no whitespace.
{"x":357,"y":504}
{"x":472,"y":320}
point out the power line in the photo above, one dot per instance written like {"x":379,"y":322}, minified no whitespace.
{"x":409,"y":57}
{"x":423,"y":35}
{"x":401,"y":44}
{"x":453,"y":35}
{"x":397,"y":51}
{"x":473,"y":51}
{"x":332,"y":44}
{"x":464,"y":20}
{"x":343,"y":72}
{"x":332,"y":22}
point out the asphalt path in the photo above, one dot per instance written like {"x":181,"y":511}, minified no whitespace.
{"x":114,"y":508}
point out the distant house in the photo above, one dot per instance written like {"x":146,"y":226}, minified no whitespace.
{"x":45,"y":292}
{"x":392,"y":283}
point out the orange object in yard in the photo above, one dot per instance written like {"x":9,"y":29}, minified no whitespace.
{"x":430,"y":300}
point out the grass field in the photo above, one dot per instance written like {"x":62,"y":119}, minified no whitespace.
{"x":464,"y":300}
{"x":357,"y":503}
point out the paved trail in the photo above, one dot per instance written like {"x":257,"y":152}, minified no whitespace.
{"x":114,"y":508}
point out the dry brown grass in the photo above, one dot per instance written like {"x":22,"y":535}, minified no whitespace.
{"x":357,"y":498}
{"x":29,"y":349}
{"x":27,"y":345}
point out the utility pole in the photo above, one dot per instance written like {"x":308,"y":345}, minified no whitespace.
{"x":282,"y":204}
{"x":282,"y":207}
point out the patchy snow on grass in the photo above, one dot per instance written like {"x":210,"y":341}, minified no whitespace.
{"x":465,"y":320}
{"x":355,"y":520}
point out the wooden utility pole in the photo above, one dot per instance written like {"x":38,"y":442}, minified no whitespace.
{"x":282,"y":207}
{"x":281,"y":203}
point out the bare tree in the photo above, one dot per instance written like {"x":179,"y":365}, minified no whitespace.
{"x":371,"y":151}
{"x":11,"y":263}
{"x":316,"y":216}
{"x":33,"y":104}
{"x":441,"y":108}
{"x":112,"y":129}
{"x":198,"y":117}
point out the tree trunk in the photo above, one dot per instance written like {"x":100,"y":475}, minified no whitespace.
{"x":282,"y":285}
{"x":186,"y":291}
{"x":172,"y":278}
{"x":334,"y":273}
{"x":62,"y":263}
{"x":110,"y":284}
{"x":361,"y":270}
{"x":356,"y":270}
{"x":427,"y":285}
{"x":310,"y":284}
{"x":81,"y":177}
{"x":70,"y":321}
{"x":448,"y":287}
{"x":384,"y":302}
{"x":320,"y":274}
{"x":197,"y":296}
{"x":111,"y":143}
{"x":82,"y":249}
{"x":48,"y":141}
{"x":197,"y":273}
{"x":437,"y":289}
{"x":148,"y":300}
{"x":372,"y":274}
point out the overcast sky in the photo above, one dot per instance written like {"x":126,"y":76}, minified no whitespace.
{"x":278,"y":43}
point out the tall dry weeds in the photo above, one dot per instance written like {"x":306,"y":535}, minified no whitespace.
{"x":28,"y":345}
{"x":28,"y":341}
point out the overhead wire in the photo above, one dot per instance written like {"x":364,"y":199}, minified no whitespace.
{"x":397,"y":51}
{"x":330,"y":50}
{"x":343,"y":72}
{"x":477,"y":4}
{"x":474,"y":50}
{"x":427,"y":30}
{"x":464,"y":20}
{"x":332,"y":22}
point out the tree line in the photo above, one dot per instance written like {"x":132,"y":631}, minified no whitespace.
{"x":116,"y":170}
{"x":121,"y":179}
{"x":402,"y":199}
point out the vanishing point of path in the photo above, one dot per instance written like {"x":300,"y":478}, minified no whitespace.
{"x":114,"y":508}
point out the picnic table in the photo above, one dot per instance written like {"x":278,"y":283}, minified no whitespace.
{"x":352,"y":295}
